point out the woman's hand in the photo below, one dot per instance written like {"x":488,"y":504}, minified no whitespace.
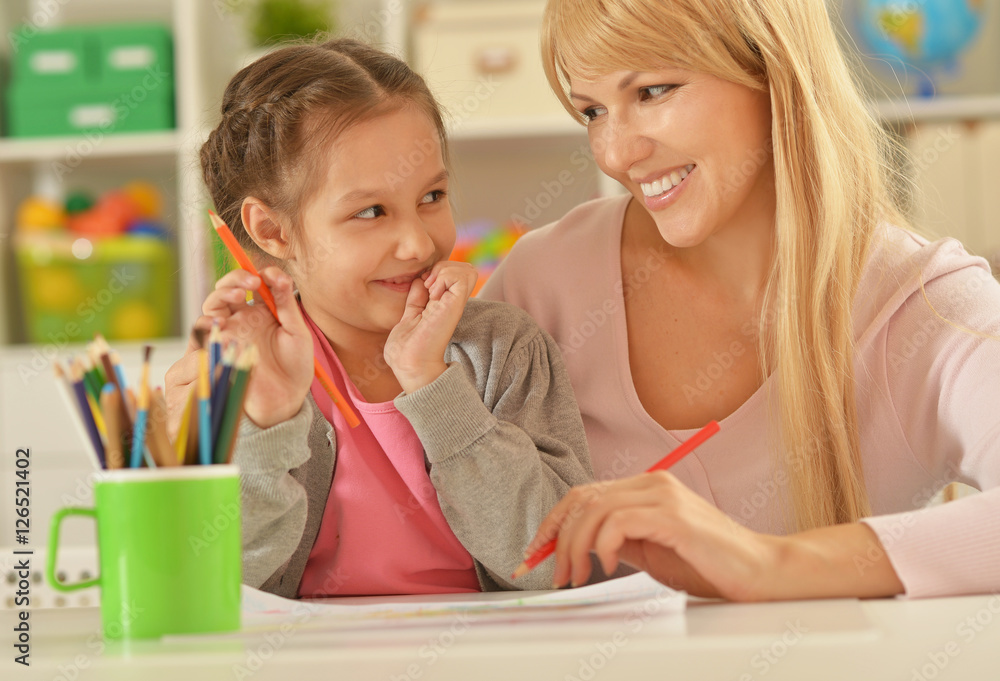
{"x":656,"y":524}
{"x":415,"y":347}
{"x":284,"y":370}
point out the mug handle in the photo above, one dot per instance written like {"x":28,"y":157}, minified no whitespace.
{"x":50,"y":567}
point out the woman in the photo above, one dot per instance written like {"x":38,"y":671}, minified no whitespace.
{"x":758,"y":274}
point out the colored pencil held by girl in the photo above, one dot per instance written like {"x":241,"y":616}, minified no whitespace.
{"x":399,"y":437}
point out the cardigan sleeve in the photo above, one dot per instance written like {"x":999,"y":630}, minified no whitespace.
{"x":502,"y":458}
{"x":943,"y":372}
{"x":273,"y":503}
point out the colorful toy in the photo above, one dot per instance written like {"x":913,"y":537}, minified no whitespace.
{"x":36,"y":213}
{"x":146,"y":198}
{"x":77,"y":202}
{"x":484,"y":245}
{"x":148,"y":228}
{"x":112,"y":215}
{"x":137,"y":207}
{"x":92,"y":224}
{"x":104,"y":266}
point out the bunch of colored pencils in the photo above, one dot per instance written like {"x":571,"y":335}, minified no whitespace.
{"x":128,"y":430}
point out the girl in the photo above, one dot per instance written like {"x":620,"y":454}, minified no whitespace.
{"x":759,"y":273}
{"x":330,"y":163}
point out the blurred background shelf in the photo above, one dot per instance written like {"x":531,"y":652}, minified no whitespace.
{"x":944,"y":109}
{"x":953,"y":138}
{"x":97,"y":162}
{"x":123,"y":145}
{"x":206,"y":44}
{"x":516,"y":127}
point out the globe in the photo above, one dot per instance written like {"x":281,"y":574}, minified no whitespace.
{"x":925,"y":35}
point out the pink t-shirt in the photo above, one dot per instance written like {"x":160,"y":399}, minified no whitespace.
{"x":383,"y":531}
{"x":928,"y":393}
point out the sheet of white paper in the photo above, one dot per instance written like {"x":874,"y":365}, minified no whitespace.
{"x":602,"y":598}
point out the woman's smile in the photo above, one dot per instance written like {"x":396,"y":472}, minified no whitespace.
{"x":661,"y":193}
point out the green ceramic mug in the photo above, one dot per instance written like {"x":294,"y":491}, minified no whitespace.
{"x":169,"y":550}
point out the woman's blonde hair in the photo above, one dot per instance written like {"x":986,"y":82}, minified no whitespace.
{"x":834,"y":183}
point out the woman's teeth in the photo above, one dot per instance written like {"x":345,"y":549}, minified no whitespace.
{"x":667,"y":182}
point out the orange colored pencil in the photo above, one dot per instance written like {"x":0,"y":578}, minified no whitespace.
{"x":222,"y":229}
{"x":686,"y":447}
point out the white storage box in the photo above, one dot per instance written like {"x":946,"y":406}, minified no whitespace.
{"x":482,"y":60}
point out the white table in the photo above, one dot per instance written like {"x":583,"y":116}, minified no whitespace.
{"x":953,"y":638}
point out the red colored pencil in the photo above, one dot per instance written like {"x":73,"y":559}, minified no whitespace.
{"x":663,"y":464}
{"x":265,"y":293}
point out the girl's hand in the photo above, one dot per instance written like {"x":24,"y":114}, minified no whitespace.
{"x":656,"y":524}
{"x":284,"y":370}
{"x":415,"y":347}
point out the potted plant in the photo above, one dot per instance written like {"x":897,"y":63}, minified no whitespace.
{"x":273,"y":21}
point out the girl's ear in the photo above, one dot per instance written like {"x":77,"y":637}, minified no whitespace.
{"x":266,"y":229}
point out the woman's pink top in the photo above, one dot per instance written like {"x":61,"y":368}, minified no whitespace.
{"x":928,"y":392}
{"x":382,"y":531}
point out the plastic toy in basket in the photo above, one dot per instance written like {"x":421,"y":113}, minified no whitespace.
{"x":484,"y":245}
{"x":38,"y":214}
{"x":95,"y":267}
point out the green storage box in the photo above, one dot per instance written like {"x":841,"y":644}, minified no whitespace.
{"x":32,"y":113}
{"x":126,"y":54}
{"x":121,"y":80}
{"x":123,"y":289}
{"x":55,"y":59}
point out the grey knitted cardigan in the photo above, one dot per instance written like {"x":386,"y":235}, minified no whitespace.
{"x":503,"y":442}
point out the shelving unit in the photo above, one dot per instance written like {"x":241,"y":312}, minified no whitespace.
{"x":526,"y":127}
{"x":946,"y":109}
{"x":100,"y":162}
{"x":953,"y":138}
{"x":532,"y":167}
{"x":54,"y":149}
{"x":207,"y":47}
{"x":954,"y":142}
